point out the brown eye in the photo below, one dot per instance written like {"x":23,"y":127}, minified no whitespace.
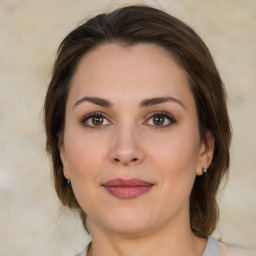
{"x":161,"y":120}
{"x":158,"y":120}
{"x":95,"y":120}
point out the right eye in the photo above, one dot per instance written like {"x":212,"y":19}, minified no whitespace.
{"x":95,"y":120}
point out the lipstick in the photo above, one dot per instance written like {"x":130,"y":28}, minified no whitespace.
{"x":127,"y":189}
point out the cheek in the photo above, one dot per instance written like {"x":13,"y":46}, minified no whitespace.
{"x":176,"y":162}
{"x":176,"y":150}
{"x":83,"y":152}
{"x":84,"y":158}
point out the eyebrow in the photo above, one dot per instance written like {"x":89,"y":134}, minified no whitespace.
{"x":145,"y":103}
{"x":160,"y":100}
{"x":95,"y":100}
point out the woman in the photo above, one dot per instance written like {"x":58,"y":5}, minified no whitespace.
{"x":138,"y":131}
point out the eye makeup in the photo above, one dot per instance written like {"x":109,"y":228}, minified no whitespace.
{"x":157,"y":119}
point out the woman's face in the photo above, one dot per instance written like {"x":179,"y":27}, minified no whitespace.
{"x":131,"y":144}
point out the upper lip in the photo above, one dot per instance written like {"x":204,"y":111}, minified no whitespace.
{"x":127,"y":183}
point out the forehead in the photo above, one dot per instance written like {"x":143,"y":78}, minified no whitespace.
{"x":143,"y":70}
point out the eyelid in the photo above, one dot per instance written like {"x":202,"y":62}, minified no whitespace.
{"x":165,"y":114}
{"x":96,"y":113}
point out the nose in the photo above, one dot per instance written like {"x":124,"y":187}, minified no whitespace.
{"x":126,"y":147}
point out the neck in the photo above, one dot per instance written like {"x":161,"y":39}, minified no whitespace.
{"x":171,"y":239}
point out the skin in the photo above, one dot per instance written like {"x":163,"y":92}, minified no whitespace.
{"x":129,"y":143}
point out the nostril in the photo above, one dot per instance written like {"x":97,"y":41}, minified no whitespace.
{"x":131,"y":161}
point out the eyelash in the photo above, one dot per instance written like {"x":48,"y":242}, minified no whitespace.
{"x":163,"y":114}
{"x":94,"y":114}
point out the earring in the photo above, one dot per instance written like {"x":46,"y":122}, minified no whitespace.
{"x":204,"y":170}
{"x":68,"y":181}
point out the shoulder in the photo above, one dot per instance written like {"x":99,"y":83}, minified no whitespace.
{"x":84,"y":252}
{"x":231,"y":250}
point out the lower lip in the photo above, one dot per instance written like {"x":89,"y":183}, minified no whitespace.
{"x":128,"y":192}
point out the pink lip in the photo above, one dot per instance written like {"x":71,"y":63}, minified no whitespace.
{"x":127,"y":189}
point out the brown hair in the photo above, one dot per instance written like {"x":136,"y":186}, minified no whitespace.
{"x":143,"y":24}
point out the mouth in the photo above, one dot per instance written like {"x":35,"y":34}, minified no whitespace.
{"x":127,"y":189}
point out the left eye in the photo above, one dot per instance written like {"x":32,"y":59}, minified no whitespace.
{"x":95,"y":120}
{"x":160,"y":120}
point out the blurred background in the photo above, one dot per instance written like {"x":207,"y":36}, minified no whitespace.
{"x":31,"y":219}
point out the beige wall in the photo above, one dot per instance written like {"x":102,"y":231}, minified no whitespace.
{"x":30,"y":223}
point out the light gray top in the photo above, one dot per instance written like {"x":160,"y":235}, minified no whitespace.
{"x":212,"y":248}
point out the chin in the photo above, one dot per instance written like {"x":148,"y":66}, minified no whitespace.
{"x":129,"y":227}
{"x":127,"y":222}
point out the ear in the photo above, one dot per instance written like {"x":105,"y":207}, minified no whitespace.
{"x":63,"y":155}
{"x":205,"y":154}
